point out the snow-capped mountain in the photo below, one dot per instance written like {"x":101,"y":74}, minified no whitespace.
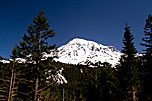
{"x":81,"y":50}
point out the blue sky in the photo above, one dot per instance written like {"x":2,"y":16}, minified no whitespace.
{"x":102,"y":21}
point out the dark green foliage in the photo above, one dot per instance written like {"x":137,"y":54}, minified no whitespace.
{"x":4,"y":80}
{"x":106,"y":82}
{"x":13,"y":63}
{"x":1,"y":58}
{"x":35,"y":42}
{"x":33,"y":47}
{"x":129,"y":49}
{"x":128,"y":71}
{"x":14,"y":53}
{"x":97,"y":83}
{"x":147,"y":59}
{"x":36,"y":79}
{"x":147,"y":40}
{"x":72,"y":88}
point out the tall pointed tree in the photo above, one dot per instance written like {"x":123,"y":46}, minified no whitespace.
{"x":13,"y":74}
{"x":35,"y":43}
{"x":129,"y":49}
{"x":4,"y":80}
{"x":147,"y":43}
{"x":128,"y":70}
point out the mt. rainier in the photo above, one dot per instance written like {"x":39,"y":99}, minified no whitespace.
{"x":80,"y":51}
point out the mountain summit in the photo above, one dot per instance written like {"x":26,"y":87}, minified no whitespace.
{"x":81,"y":51}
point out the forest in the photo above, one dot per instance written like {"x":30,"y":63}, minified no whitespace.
{"x":36,"y":79}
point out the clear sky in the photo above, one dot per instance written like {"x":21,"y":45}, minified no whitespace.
{"x":102,"y":21}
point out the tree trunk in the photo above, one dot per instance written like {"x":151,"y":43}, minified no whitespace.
{"x":134,"y":93}
{"x":63,"y":94}
{"x":37,"y":79}
{"x":12,"y":83}
{"x":10,"y":89}
{"x":36,"y":89}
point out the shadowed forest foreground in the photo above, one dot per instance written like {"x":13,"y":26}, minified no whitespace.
{"x":41,"y":79}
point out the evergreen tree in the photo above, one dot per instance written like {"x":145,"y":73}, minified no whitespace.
{"x":106,"y":82}
{"x":4,"y":81}
{"x":147,"y":43}
{"x":73,"y":87}
{"x":13,"y":74}
{"x":129,"y":49}
{"x":8,"y":77}
{"x":1,"y":58}
{"x":35,"y":43}
{"x":128,"y":71}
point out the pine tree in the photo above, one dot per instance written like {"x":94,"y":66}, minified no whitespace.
{"x":35,"y":43}
{"x":128,"y":70}
{"x":4,"y":81}
{"x":106,"y":82}
{"x":13,"y":73}
{"x":8,"y":77}
{"x":1,"y":58}
{"x":129,"y":49}
{"x":147,"y":43}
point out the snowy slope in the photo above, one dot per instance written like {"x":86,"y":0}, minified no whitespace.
{"x":81,"y":50}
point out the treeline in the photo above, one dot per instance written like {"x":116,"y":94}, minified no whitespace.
{"x":31,"y":76}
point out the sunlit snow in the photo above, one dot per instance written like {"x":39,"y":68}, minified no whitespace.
{"x":80,"y":51}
